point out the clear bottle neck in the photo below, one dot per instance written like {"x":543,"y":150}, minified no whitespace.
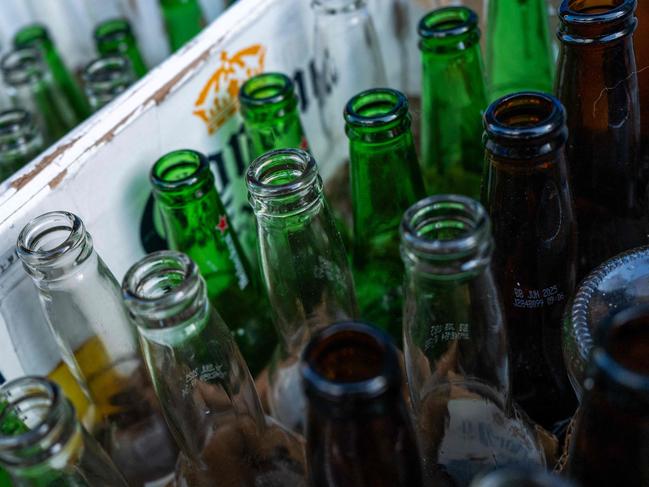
{"x":106,"y":78}
{"x":333,"y":7}
{"x":23,"y":67}
{"x":20,"y":138}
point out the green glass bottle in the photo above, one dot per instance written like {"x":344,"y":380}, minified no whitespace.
{"x":271,"y":118}
{"x":196,"y":223}
{"x":106,"y":78}
{"x":37,"y":36}
{"x":385,"y":181}
{"x":31,"y":86}
{"x":183,"y":20}
{"x":519,"y":52}
{"x":116,"y":37}
{"x":20,"y":141}
{"x":454,"y":95}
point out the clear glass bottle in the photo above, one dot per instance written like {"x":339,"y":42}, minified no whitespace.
{"x":455,"y":343}
{"x":31,"y":87}
{"x":205,"y":388}
{"x":348,"y":60}
{"x":359,"y":430}
{"x":20,"y":141}
{"x":82,"y":303}
{"x":43,"y":444}
{"x":304,"y":266}
{"x":106,"y":78}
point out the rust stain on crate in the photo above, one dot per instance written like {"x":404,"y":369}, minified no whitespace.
{"x":57,"y":180}
{"x":42,"y":164}
{"x":163,"y":92}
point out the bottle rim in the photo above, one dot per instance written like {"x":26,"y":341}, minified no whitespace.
{"x":349,"y":334}
{"x":108,"y":75}
{"x":330,"y":7}
{"x":161,"y":286}
{"x":280,"y":173}
{"x":52,"y":237}
{"x":448,"y":22}
{"x":617,"y":12}
{"x":56,"y":422}
{"x":113,"y":30}
{"x":617,"y":22}
{"x":14,"y":122}
{"x":376,"y":108}
{"x":30,"y":35}
{"x":22,"y":66}
{"x":180,"y":169}
{"x":518,"y":476}
{"x":266,"y":89}
{"x":445,"y":228}
{"x":515,"y":121}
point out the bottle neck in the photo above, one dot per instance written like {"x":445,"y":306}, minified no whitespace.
{"x":589,"y":24}
{"x":200,"y":378}
{"x":20,"y":138}
{"x":449,"y":31}
{"x":106,"y":78}
{"x":334,"y":7}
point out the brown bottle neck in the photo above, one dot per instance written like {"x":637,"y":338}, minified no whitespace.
{"x":596,"y":22}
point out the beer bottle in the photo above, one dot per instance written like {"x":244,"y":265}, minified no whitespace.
{"x":20,"y":141}
{"x":359,"y":431}
{"x":303,"y":264}
{"x":183,"y":20}
{"x":206,"y":391}
{"x":527,"y":195}
{"x":454,"y":96}
{"x":47,"y":446}
{"x":385,"y":181}
{"x":269,"y":109}
{"x":520,"y":477}
{"x":641,"y":46}
{"x":116,"y":37}
{"x":37,"y":36}
{"x":82,"y":303}
{"x":455,"y":343}
{"x":348,"y":60}
{"x":598,"y":85}
{"x":519,"y":52}
{"x":612,"y":431}
{"x":196,"y":223}
{"x":31,"y":87}
{"x":106,"y":78}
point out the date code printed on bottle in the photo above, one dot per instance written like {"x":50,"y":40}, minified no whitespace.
{"x":537,"y":298}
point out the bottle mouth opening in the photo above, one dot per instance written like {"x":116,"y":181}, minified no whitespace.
{"x":179,"y":169}
{"x":49,"y":237}
{"x":337,"y":6}
{"x":22,"y":66}
{"x":281,"y":173}
{"x":161,"y":285}
{"x":445,"y":227}
{"x":623,"y":348}
{"x":349,"y":360}
{"x":376,"y":108}
{"x":31,"y":35}
{"x":448,"y":22}
{"x":31,"y":411}
{"x":595,"y":11}
{"x":14,"y":122}
{"x":114,"y":30}
{"x":108,"y":73}
{"x":266,"y":89}
{"x":524,"y":116}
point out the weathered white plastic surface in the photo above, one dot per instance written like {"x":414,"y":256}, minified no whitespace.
{"x":100,"y":170}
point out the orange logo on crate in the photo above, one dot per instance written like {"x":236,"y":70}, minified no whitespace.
{"x":218,"y":99}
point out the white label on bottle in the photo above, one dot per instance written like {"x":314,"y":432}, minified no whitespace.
{"x":204,"y":373}
{"x":537,"y":298}
{"x":447,"y":332}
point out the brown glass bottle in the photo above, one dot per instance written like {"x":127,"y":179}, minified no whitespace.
{"x":527,"y":195}
{"x":641,"y":46}
{"x":359,"y":432}
{"x":611,"y":440}
{"x":598,"y":85}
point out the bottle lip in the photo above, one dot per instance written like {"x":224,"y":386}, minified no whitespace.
{"x":448,"y":22}
{"x":161,"y":286}
{"x":52,"y":427}
{"x":280,"y":173}
{"x":603,"y":358}
{"x":22,"y":66}
{"x":467,"y":221}
{"x":180,"y":169}
{"x":266,"y":89}
{"x":108,"y":74}
{"x":520,"y":119}
{"x":375,"y":108}
{"x":384,"y":378}
{"x":330,"y":7}
{"x":30,"y":35}
{"x":14,"y":122}
{"x":51,"y":238}
{"x":113,"y":30}
{"x":575,"y":24}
